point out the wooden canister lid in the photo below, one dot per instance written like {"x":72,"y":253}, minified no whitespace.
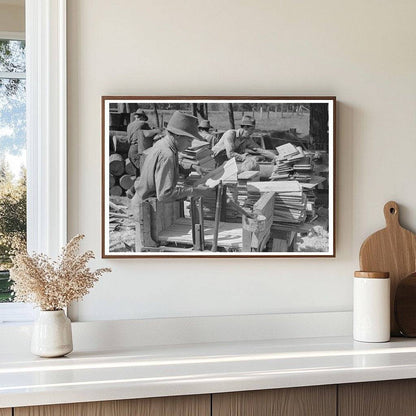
{"x":372,"y":275}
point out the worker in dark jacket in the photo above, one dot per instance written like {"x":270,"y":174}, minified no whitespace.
{"x":140,"y":137}
{"x":160,"y":171}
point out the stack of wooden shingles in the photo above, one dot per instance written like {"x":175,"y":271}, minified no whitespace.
{"x":290,"y":202}
{"x":210,"y":199}
{"x":311,"y":200}
{"x":122,"y":171}
{"x":243,"y":179}
{"x":198,"y":154}
{"x":295,"y":165}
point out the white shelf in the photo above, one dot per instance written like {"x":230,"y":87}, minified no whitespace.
{"x":150,"y":371}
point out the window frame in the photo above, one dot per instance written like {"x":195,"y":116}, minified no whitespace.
{"x":46,"y":134}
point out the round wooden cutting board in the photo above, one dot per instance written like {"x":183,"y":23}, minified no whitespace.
{"x":393,"y":250}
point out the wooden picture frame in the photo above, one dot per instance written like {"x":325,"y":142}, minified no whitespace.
{"x":286,"y":209}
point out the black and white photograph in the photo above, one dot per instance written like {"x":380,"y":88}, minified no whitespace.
{"x":218,"y":176}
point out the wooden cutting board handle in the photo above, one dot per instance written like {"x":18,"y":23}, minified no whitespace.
{"x":391,"y":214}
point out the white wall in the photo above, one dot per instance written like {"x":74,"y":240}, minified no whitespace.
{"x":361,"y":51}
{"x":12,"y":18}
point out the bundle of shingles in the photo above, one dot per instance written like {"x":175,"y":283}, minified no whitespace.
{"x":293,"y":164}
{"x":243,"y":179}
{"x":198,"y":154}
{"x":210,"y":199}
{"x":296,"y":165}
{"x":227,"y":174}
{"x":290,"y":204}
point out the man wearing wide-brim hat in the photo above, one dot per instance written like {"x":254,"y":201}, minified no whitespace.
{"x":234,"y":143}
{"x":160,"y":170}
{"x":140,"y":137}
{"x":204,"y":128}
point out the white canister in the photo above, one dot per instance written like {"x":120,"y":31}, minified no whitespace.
{"x":371,"y":305}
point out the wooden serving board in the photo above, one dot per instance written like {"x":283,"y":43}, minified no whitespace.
{"x":393,"y":250}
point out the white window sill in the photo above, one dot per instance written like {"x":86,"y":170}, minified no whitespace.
{"x":16,"y":313}
{"x":169,"y":370}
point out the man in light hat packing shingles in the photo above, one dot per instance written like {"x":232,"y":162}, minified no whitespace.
{"x":234,"y":143}
{"x":204,"y":127}
{"x":161,"y":167}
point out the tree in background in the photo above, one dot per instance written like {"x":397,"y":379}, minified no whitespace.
{"x":12,"y":143}
{"x":12,"y":223}
{"x":318,"y":126}
{"x":12,"y":97}
{"x":12,"y":213}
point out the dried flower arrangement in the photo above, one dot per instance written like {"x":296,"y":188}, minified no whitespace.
{"x":53,"y":285}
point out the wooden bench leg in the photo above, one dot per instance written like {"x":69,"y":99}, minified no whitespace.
{"x":143,"y":228}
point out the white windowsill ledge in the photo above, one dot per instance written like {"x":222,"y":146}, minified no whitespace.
{"x":16,"y":314}
{"x":155,"y":371}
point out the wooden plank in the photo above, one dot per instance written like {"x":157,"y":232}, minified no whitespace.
{"x":193,"y":215}
{"x":171,"y":213}
{"x":256,"y":240}
{"x":223,"y":215}
{"x":177,"y":209}
{"x":280,"y":245}
{"x":229,"y":236}
{"x":301,"y":401}
{"x":315,"y":180}
{"x":218,"y":217}
{"x":264,"y":241}
{"x":160,"y":406}
{"x":265,"y":205}
{"x":249,"y":175}
{"x":381,"y":398}
{"x":247,"y":239}
{"x":277,"y":186}
{"x":168,"y":214}
{"x":201,"y":223}
{"x":224,"y":173}
{"x":156,"y":218}
{"x":197,"y":231}
{"x":144,"y":237}
{"x":5,"y":412}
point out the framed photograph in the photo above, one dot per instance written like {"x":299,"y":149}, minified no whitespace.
{"x":218,"y":177}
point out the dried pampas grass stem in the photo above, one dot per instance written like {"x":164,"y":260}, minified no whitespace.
{"x":53,"y":285}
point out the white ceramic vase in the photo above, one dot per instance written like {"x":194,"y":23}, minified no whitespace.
{"x":52,"y":334}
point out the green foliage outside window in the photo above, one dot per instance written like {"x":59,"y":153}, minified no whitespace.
{"x":12,"y":224}
{"x":12,"y":144}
